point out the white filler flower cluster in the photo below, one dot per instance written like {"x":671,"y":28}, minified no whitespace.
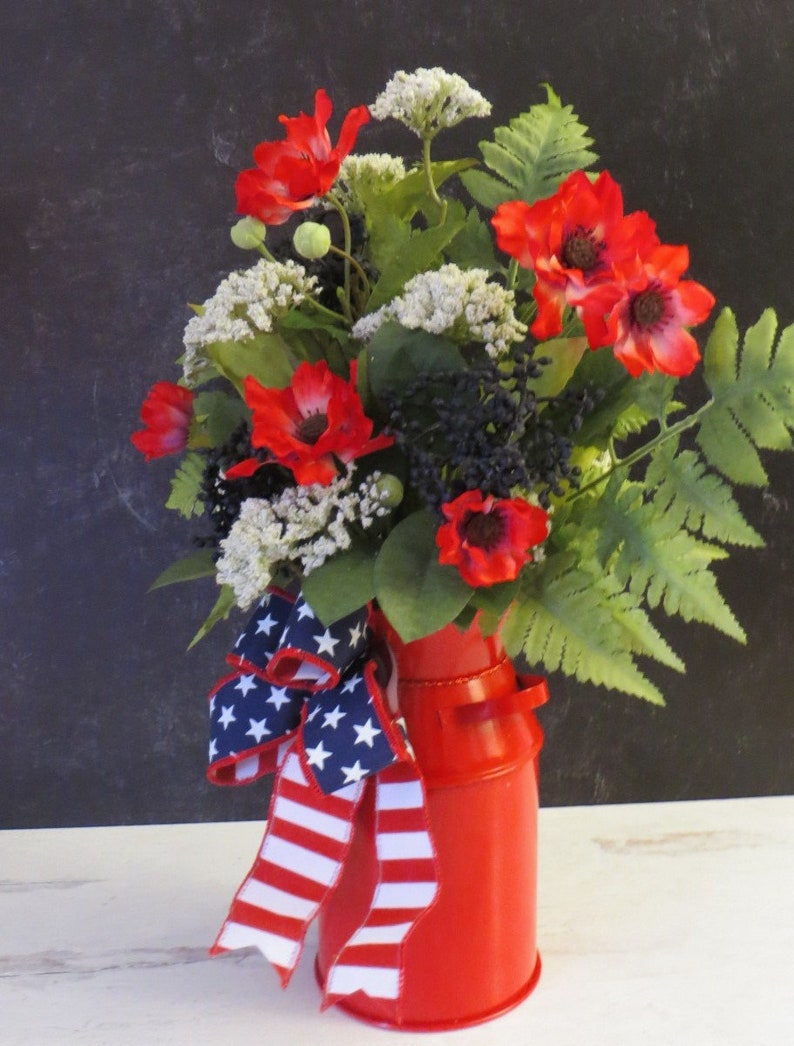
{"x":302,"y":525}
{"x":460,"y":303}
{"x":245,"y":303}
{"x":428,"y":100}
{"x":364,"y":175}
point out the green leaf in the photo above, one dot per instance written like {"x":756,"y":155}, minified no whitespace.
{"x":600,"y":370}
{"x":389,"y":215}
{"x":472,"y":248}
{"x":223,"y":607}
{"x":313,"y":320}
{"x":397,"y":356}
{"x":653,"y":394}
{"x":185,"y":486}
{"x":691,"y":497}
{"x":564,"y":354}
{"x":362,"y":378}
{"x":753,"y":397}
{"x":565,"y":622}
{"x":341,"y":585}
{"x":465,"y":619}
{"x":532,"y":155}
{"x":493,"y":602}
{"x":198,"y":564}
{"x":266,"y":357}
{"x":410,"y":194}
{"x":408,"y":252}
{"x":219,"y":414}
{"x":416,"y":593}
{"x":626,"y":405}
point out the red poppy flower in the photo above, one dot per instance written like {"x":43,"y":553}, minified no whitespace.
{"x":488,"y":539}
{"x":317,"y":420}
{"x":166,"y":412}
{"x":291,"y":174}
{"x":645,"y":317}
{"x":572,"y":240}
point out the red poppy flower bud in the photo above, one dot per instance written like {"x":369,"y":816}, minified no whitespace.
{"x":166,"y":412}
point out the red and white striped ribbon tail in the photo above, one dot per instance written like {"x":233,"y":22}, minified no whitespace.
{"x":371,"y":961}
{"x":307,"y":838}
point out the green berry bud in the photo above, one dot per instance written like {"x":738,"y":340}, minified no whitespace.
{"x":248,"y":233}
{"x":390,"y":490}
{"x":312,"y":240}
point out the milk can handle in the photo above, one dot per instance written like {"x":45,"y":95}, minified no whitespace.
{"x":533,"y":692}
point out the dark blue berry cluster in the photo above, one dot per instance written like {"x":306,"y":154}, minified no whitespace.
{"x":484,"y":428}
{"x":223,"y":498}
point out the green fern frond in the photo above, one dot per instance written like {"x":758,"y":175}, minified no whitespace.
{"x":753,"y":397}
{"x":185,"y":486}
{"x":633,"y":420}
{"x":691,"y":497}
{"x":532,"y":155}
{"x":567,"y":622}
{"x":641,"y":635}
{"x":659,"y":562}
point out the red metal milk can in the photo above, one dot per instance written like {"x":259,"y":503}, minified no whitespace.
{"x":470,"y":720}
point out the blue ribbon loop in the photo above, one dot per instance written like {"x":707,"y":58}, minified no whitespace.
{"x":292,"y":674}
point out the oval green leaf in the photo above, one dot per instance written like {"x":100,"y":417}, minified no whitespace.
{"x":416,"y":593}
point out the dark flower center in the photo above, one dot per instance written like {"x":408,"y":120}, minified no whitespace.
{"x":647,"y":308}
{"x":484,"y":529}
{"x":579,"y":252}
{"x":311,"y":428}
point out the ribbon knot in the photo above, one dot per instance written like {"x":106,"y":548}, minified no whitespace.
{"x":307,"y":702}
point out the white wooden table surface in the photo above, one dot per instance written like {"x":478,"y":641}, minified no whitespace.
{"x":669,"y":924}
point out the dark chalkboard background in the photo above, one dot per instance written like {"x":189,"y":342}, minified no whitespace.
{"x":122,"y":126}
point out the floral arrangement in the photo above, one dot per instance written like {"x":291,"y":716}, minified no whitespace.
{"x":454,"y":391}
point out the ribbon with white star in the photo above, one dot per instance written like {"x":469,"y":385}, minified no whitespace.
{"x":294,"y":675}
{"x":306,"y":702}
{"x":313,"y":657}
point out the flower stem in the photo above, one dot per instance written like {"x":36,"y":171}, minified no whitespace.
{"x":346,"y":253}
{"x":337,"y":316}
{"x":512,"y":274}
{"x":647,"y":448}
{"x":265,"y":252}
{"x":355,"y":264}
{"x":431,"y":185}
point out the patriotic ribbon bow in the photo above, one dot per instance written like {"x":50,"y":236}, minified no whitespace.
{"x":305,"y":702}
